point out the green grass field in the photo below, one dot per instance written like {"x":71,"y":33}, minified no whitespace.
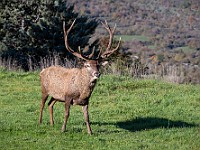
{"x":125,"y":114}
{"x":132,"y":37}
{"x":186,"y":49}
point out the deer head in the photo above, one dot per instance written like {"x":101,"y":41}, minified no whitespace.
{"x":92,"y":64}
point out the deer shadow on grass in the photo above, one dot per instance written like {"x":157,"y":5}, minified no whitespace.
{"x":149,"y":123}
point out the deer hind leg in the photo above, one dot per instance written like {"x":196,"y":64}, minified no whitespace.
{"x":51,"y":104}
{"x":44,"y":98}
{"x":86,"y":116}
{"x":67,"y":108}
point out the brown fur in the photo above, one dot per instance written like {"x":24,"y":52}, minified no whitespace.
{"x":58,"y":82}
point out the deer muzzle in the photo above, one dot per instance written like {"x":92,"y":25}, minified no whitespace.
{"x":96,"y":75}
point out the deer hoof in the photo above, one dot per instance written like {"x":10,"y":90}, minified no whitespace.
{"x":63,"y":129}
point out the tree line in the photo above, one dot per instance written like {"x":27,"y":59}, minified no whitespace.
{"x":31,"y":30}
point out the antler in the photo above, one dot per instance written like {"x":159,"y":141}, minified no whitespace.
{"x":105,"y":54}
{"x":108,"y":50}
{"x":80,"y":54}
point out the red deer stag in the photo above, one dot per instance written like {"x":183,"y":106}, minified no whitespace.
{"x":73,"y":86}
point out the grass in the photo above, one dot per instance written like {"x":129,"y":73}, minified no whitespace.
{"x":132,"y":37}
{"x":186,"y":49}
{"x":125,"y":114}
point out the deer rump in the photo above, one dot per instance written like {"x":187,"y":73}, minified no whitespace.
{"x":59,"y":82}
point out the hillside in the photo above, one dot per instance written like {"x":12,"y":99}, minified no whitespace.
{"x":125,"y":114}
{"x":169,"y":24}
{"x":170,"y":32}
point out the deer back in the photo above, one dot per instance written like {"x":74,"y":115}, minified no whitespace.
{"x":59,"y":82}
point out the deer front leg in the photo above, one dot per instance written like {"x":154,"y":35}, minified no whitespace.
{"x":44,"y":98}
{"x":86,"y":116}
{"x":67,"y":108}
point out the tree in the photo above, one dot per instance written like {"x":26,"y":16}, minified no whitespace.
{"x":15,"y":16}
{"x":33,"y":29}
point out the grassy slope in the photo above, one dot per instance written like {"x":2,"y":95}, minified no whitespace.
{"x":132,"y":37}
{"x":125,"y":114}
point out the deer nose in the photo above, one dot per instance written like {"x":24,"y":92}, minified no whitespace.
{"x":96,"y":74}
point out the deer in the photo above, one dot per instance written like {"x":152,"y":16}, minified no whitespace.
{"x":74,"y":86}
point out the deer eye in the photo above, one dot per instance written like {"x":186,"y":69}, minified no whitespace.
{"x":87,"y":65}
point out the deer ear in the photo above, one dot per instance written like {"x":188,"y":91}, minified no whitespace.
{"x":104,"y":63}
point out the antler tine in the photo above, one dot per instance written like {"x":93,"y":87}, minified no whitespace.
{"x":107,"y":27}
{"x":91,"y":55}
{"x":66,"y":36}
{"x":88,"y":57}
{"x":115,"y":49}
{"x":108,"y":52}
{"x":99,"y":54}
